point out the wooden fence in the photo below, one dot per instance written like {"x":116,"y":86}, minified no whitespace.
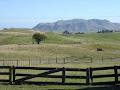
{"x":16,"y":77}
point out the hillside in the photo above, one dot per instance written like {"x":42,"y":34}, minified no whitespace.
{"x":23,"y":36}
{"x":19,"y":42}
{"x":78,"y":25}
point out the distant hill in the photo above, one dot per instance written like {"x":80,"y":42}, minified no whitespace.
{"x":78,"y":25}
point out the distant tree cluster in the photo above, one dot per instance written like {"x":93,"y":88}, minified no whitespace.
{"x":105,"y":31}
{"x":67,"y":33}
{"x":5,"y":29}
{"x":79,"y":33}
{"x":117,"y":31}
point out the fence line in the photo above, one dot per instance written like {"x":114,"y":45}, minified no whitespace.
{"x":50,"y":72}
{"x":30,"y":62}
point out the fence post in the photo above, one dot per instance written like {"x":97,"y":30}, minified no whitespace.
{"x":63,"y":75}
{"x":10,"y":75}
{"x":3,"y":62}
{"x":91,"y":78}
{"x":17,"y":62}
{"x":13,"y":75}
{"x":87,"y":76}
{"x":91,"y":59}
{"x":64,"y":61}
{"x":102,"y":59}
{"x":116,"y":74}
{"x":29,"y":61}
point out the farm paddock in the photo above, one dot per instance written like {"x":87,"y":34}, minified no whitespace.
{"x":71,"y":51}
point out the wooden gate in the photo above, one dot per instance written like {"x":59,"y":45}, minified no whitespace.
{"x":48,"y":73}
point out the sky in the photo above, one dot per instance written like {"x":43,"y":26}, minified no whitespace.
{"x":28,"y":13}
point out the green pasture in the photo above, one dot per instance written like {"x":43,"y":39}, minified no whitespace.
{"x":17,"y":44}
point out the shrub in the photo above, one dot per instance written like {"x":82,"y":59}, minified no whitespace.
{"x":38,"y":37}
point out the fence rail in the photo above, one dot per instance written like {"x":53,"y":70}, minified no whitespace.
{"x":50,"y":72}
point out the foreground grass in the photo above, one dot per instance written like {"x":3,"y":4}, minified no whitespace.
{"x":52,"y":87}
{"x":32,"y":87}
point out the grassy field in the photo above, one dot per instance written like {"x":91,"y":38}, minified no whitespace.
{"x":17,"y":44}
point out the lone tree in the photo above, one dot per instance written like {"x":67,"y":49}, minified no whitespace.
{"x":38,"y":37}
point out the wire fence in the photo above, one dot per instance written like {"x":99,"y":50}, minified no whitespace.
{"x":66,"y":60}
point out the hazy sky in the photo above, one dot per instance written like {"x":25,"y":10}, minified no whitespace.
{"x":27,"y":13}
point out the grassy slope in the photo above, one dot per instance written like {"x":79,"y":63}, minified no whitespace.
{"x":15,"y":36}
{"x":80,"y":46}
{"x":58,"y":38}
{"x":25,"y":37}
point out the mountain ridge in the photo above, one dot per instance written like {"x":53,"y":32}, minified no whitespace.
{"x":78,"y":25}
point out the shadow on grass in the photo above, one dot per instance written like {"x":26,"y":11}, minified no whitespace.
{"x":115,"y":87}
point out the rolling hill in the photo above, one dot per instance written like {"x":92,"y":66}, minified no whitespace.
{"x":17,"y":44}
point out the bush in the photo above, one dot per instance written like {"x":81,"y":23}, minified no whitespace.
{"x":38,"y":37}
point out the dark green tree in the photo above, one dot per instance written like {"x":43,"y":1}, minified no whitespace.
{"x":38,"y":37}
